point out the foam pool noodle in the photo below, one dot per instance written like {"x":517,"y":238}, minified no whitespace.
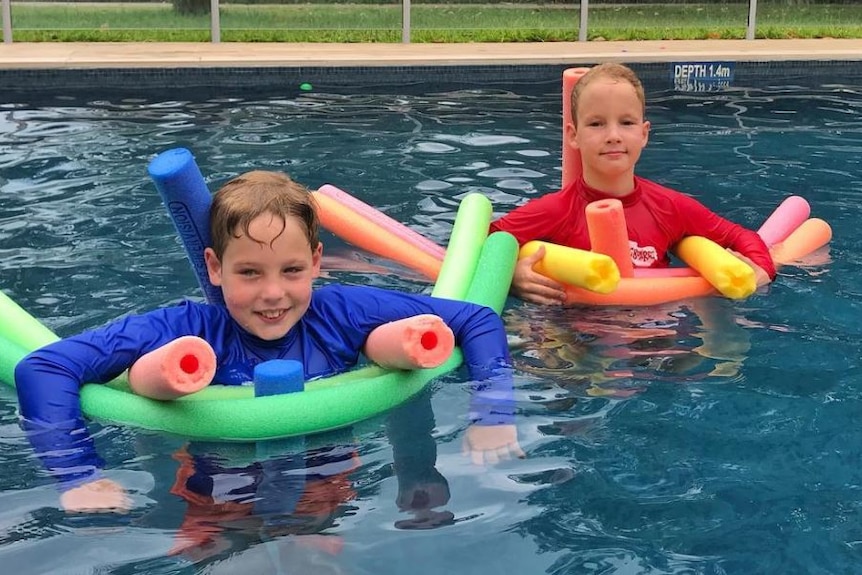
{"x":187,"y":199}
{"x":606,"y":222}
{"x":788,"y":216}
{"x":585,"y":269}
{"x":813,"y":234}
{"x":180,"y":367}
{"x":470,"y":230}
{"x":278,"y":376}
{"x":366,"y":233}
{"x":724,"y":271}
{"x":416,"y":342}
{"x":393,"y":226}
{"x":572,"y":168}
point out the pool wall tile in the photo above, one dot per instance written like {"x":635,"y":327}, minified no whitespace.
{"x":654,"y":75}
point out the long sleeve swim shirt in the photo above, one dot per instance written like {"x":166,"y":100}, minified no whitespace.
{"x":656,"y":219}
{"x":328,"y":339}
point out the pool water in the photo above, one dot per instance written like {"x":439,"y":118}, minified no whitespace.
{"x":709,"y":436}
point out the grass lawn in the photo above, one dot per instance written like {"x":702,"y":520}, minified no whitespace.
{"x":118,"y":22}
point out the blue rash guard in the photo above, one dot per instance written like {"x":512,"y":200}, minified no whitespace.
{"x":328,"y":339}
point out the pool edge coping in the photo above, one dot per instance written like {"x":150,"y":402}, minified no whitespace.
{"x":96,"y":55}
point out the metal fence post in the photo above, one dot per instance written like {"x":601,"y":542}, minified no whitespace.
{"x":752,"y":20}
{"x":6,"y":8}
{"x":582,"y":30}
{"x":215,"y":22}
{"x":405,"y":21}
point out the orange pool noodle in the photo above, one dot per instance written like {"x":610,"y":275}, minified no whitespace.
{"x":180,"y":367}
{"x":606,"y":223}
{"x":571,"y":157}
{"x":363,"y":233}
{"x":812,"y":234}
{"x":643,"y":291}
{"x":416,"y":342}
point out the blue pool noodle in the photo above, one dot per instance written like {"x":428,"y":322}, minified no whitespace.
{"x":278,"y":376}
{"x":187,"y":199}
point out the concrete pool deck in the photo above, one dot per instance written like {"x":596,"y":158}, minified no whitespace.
{"x":95,"y":55}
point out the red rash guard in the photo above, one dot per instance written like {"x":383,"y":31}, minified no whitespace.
{"x":656,"y":217}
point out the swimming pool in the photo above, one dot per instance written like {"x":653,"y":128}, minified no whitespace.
{"x":715,"y":437}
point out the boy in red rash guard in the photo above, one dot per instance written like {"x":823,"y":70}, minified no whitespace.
{"x":609,"y":130}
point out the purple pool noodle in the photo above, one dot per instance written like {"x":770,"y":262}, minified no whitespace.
{"x":187,"y":199}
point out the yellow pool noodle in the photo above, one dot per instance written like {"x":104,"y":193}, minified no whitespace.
{"x":589,"y":270}
{"x":726,"y":272}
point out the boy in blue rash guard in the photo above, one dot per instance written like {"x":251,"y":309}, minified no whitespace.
{"x":265,"y":256}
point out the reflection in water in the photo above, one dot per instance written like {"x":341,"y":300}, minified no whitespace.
{"x":616,"y":352}
{"x":422,"y":489}
{"x":636,"y":463}
{"x":291,"y":499}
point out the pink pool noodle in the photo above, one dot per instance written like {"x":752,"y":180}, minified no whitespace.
{"x":180,"y":367}
{"x":415,"y":342}
{"x":788,"y":216}
{"x":571,"y":157}
{"x":392,"y":225}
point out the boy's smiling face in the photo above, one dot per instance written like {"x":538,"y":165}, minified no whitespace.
{"x":266,"y":276}
{"x":610,"y":132}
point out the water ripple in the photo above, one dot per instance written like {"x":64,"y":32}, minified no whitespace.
{"x":673,"y":439}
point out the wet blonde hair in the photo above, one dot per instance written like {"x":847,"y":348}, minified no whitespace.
{"x":611,"y":71}
{"x":253,"y":194}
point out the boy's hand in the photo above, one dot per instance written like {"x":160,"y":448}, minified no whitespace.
{"x":100,"y":496}
{"x":491,"y":443}
{"x":760,"y":276}
{"x":532,"y":286}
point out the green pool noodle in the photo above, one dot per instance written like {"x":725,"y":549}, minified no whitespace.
{"x":468,"y":235}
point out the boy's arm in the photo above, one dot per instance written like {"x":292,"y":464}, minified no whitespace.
{"x":48,"y":383}
{"x":354,"y":311}
{"x":481,"y":335}
{"x":59,"y":436}
{"x":478,"y":331}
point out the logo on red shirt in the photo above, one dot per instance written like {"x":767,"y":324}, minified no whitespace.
{"x":642,"y":257}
